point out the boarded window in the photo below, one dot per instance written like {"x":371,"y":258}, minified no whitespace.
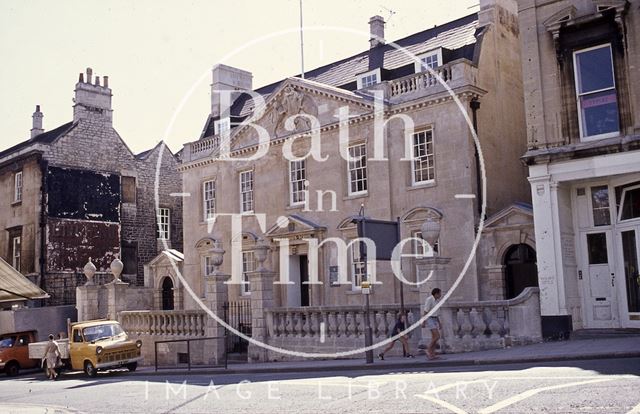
{"x":130,"y":258}
{"x":128,"y":189}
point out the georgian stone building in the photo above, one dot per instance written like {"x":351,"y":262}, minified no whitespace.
{"x":430,"y":171}
{"x":581,"y":78}
{"x":78,"y":192}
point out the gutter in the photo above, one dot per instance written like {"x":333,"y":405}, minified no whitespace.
{"x":44,"y":166}
{"x":475,"y":105}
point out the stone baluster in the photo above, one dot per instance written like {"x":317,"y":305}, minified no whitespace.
{"x":477,"y":324}
{"x":506,"y":328}
{"x":332,"y":324}
{"x":340,"y":325}
{"x":314,"y":326}
{"x":494,"y":323}
{"x":466,"y":328}
{"x":287,"y":325}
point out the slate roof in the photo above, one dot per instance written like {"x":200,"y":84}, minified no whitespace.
{"x":44,"y":138}
{"x":458,"y":36}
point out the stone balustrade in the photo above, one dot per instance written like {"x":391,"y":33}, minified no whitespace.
{"x":164,"y":323}
{"x":472,"y":326}
{"x":419,"y":81}
{"x":200,"y":149}
{"x":333,"y":322}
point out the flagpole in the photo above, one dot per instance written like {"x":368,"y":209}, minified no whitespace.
{"x":301,"y":44}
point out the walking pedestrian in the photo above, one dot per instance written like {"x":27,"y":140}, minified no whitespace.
{"x":397,"y":328}
{"x":433,"y":321}
{"x":52,"y":354}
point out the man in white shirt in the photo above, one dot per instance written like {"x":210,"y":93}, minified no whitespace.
{"x":433,"y":322}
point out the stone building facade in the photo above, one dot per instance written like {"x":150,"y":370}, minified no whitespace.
{"x":430,"y":172}
{"x":78,"y":192}
{"x":580,"y":62}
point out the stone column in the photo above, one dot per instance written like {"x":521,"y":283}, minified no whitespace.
{"x":87,"y":296}
{"x":496,"y":279}
{"x":116,"y":291}
{"x":261,"y":283}
{"x":215,"y":296}
{"x":87,"y":302}
{"x":434,"y":268}
{"x":116,"y":298}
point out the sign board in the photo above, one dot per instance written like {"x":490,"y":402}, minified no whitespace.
{"x":383,"y":233}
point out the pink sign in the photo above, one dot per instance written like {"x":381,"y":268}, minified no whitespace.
{"x":598,"y":100}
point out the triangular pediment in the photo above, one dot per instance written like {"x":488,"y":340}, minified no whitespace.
{"x":167,"y":257}
{"x":514,"y":215}
{"x":294,"y":224}
{"x":298,"y":106}
{"x":558,"y":18}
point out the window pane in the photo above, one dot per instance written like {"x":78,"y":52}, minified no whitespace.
{"x":632,"y":276}
{"x":594,"y":69}
{"x":631,"y":204}
{"x":597,"y":246}
{"x":599,"y":113}
{"x":600,"y":202}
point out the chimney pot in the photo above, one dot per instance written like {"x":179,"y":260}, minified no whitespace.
{"x":376,"y":30}
{"x":105,"y":81}
{"x":81,"y":78}
{"x":97,"y":82}
{"x":89,"y":74}
{"x":36,"y":125}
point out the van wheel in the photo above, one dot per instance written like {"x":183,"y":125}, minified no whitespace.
{"x":90,"y":370}
{"x":12,"y":369}
{"x":132,"y":366}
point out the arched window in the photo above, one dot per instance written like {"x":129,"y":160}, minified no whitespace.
{"x":167,"y":293}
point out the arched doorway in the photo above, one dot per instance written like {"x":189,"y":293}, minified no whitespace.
{"x":167,"y":294}
{"x":521,"y":270}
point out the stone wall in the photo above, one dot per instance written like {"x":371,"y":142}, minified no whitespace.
{"x":45,"y":321}
{"x":97,"y":146}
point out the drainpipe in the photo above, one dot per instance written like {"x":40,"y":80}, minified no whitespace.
{"x":44,"y":166}
{"x":475,"y":105}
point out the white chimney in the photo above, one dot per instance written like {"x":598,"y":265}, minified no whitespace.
{"x":36,"y":127}
{"x":227,"y":78}
{"x":92,"y":101}
{"x":376,"y":29}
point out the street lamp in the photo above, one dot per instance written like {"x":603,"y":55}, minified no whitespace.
{"x":430,"y":231}
{"x":365,"y":288}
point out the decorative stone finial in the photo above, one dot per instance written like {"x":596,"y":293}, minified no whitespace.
{"x":217,"y":256}
{"x":116,"y":269}
{"x":261,"y":251}
{"x":89,"y":272}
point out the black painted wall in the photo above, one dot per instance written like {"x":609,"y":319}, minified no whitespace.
{"x":83,"y":195}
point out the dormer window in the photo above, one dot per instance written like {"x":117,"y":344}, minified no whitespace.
{"x":596,"y":93}
{"x":368,"y":79}
{"x":221,"y":126}
{"x":431,"y":59}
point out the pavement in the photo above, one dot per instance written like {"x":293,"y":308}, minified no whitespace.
{"x":569,"y":350}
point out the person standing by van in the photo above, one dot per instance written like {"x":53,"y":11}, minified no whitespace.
{"x":52,"y":354}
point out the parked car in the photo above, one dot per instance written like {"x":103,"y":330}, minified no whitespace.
{"x":94,"y":346}
{"x":14,"y":352}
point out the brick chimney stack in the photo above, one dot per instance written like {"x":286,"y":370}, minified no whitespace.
{"x":36,"y":127}
{"x":92,"y":101}
{"x":376,"y":29}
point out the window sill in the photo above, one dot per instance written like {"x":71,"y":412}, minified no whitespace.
{"x":355,"y":196}
{"x":599,"y":137}
{"x":353,"y":292}
{"x":294,"y":206}
{"x":420,"y":186}
{"x":16,"y":203}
